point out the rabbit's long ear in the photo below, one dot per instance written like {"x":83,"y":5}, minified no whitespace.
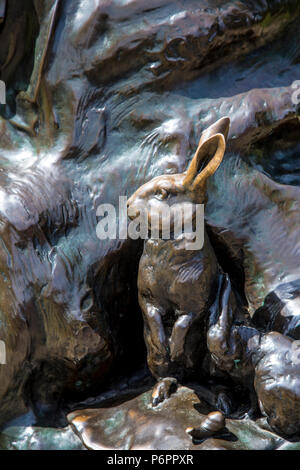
{"x":206,"y":160}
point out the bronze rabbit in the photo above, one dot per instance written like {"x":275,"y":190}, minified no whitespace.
{"x":270,"y":362}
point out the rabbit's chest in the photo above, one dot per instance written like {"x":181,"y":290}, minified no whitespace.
{"x":168,"y":272}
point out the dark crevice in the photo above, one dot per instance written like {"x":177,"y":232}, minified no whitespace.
{"x":230,"y":264}
{"x":18,"y":36}
{"x":278,"y":154}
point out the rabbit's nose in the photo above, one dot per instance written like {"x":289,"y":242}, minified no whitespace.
{"x":133,"y":214}
{"x":132,"y":211}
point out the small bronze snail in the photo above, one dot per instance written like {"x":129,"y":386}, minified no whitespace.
{"x":212,"y":424}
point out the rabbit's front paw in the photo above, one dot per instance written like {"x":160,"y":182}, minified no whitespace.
{"x":163,"y":389}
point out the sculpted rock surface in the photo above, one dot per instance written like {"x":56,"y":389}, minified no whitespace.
{"x":101,"y":97}
{"x":35,"y":438}
{"x":137,"y":425}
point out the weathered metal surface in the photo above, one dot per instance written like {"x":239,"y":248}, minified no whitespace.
{"x":102,"y":97}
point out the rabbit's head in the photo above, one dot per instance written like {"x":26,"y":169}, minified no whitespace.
{"x":189,"y":187}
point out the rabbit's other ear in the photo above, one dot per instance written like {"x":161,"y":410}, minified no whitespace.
{"x":205,"y":162}
{"x":205,"y":155}
{"x":219,"y":127}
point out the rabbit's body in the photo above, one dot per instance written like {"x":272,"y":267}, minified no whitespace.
{"x":176,"y":278}
{"x":179,"y":285}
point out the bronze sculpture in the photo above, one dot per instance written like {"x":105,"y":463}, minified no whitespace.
{"x":101,"y":97}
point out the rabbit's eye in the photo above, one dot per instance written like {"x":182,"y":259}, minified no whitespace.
{"x":161,"y":194}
